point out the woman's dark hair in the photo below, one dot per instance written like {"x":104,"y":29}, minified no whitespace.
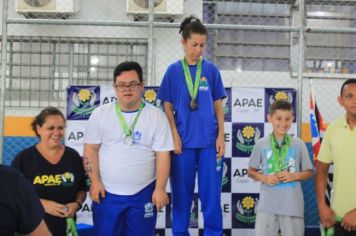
{"x":127,"y":66}
{"x":191,"y":25}
{"x":40,"y":119}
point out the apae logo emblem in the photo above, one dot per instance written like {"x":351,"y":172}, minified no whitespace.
{"x":225,"y":105}
{"x":148,"y":210}
{"x":137,"y":137}
{"x":82,"y":100}
{"x":150,"y":96}
{"x":247,"y":137}
{"x":67,"y":179}
{"x":246,"y":211}
{"x":203,"y":85}
{"x":281,"y":95}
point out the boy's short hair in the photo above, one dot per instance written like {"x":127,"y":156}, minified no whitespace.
{"x":127,"y":66}
{"x":280,"y":105}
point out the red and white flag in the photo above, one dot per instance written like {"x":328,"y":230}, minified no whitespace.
{"x":317,"y":126}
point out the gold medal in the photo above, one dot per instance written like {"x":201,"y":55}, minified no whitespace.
{"x":193,"y":104}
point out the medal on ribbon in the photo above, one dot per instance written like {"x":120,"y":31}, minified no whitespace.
{"x":279,"y":153}
{"x":193,"y":105}
{"x":128,"y":138}
{"x":193,"y":89}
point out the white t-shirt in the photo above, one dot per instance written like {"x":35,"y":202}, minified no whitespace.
{"x":124,"y":169}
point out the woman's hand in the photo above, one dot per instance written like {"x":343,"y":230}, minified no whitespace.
{"x":72,"y":208}
{"x":54,"y":208}
{"x":177,"y":143}
{"x":220,"y":146}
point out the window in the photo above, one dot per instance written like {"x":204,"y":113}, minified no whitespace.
{"x":40,"y":69}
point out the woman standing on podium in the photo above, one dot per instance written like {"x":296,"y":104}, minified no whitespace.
{"x":192,"y":91}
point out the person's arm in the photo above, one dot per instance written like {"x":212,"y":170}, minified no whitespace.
{"x":326,"y":214}
{"x":80,"y":198}
{"x":168,"y":109}
{"x":41,"y":230}
{"x":270,"y":179}
{"x":91,"y":166}
{"x":220,"y":140}
{"x":54,"y":208}
{"x":159,"y":196}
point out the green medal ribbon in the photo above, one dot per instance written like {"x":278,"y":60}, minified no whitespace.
{"x":71,"y":227}
{"x":193,"y":90}
{"x":279,"y":153}
{"x":128,"y":131}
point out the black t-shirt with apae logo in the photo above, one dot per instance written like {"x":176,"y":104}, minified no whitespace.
{"x":58,"y":182}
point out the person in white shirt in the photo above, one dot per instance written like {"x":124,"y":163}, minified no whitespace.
{"x":126,"y":156}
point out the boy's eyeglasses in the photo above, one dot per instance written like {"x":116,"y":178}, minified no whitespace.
{"x":133,"y":86}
